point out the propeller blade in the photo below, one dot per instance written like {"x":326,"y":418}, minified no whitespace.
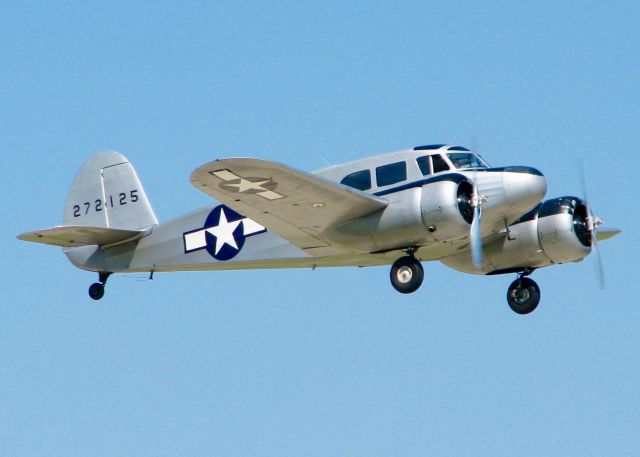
{"x":476,"y":237}
{"x":592,"y":225}
{"x":475,"y":233}
{"x":593,"y":222}
{"x":583,"y":181}
{"x":596,"y":251}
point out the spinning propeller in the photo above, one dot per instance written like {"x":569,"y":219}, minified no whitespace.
{"x":477,"y":201}
{"x":592,"y":222}
{"x":475,"y":234}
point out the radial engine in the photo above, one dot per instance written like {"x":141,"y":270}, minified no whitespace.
{"x":556,"y":231}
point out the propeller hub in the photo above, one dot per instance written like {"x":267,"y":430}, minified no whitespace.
{"x":478,"y":200}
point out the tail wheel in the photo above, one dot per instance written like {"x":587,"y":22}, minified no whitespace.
{"x":523,"y":295}
{"x":96,"y":291}
{"x":406,"y":275}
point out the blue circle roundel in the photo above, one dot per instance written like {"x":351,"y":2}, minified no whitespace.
{"x":224,"y":233}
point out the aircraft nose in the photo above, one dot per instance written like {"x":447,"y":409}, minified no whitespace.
{"x":524,"y":187}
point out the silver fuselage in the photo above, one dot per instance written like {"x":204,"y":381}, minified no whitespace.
{"x":372,"y":240}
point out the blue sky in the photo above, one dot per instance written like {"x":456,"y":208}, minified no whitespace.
{"x":324,"y":362}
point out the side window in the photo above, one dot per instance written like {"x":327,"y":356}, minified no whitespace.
{"x":391,"y":174}
{"x":360,"y":180}
{"x":439,"y":164}
{"x":423,"y":163}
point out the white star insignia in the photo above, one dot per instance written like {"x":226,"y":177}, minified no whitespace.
{"x":224,"y":232}
{"x":196,"y":239}
{"x":245,"y":185}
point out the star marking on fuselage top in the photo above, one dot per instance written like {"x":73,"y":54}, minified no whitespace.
{"x":223,"y":234}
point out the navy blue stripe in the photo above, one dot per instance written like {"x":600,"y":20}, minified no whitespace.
{"x":453,"y":177}
{"x":458,"y":178}
{"x":428,"y":147}
{"x":560,"y":205}
{"x":517,"y":169}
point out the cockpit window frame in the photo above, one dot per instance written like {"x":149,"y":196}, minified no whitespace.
{"x":455,"y":161}
{"x":443,"y":161}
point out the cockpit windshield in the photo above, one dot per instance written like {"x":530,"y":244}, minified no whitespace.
{"x":466,"y":160}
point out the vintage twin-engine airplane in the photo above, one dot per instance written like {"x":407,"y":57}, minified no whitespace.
{"x":435,"y":202}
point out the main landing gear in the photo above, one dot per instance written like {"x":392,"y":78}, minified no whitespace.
{"x":406,"y":274}
{"x":523,"y":294}
{"x":96,"y":290}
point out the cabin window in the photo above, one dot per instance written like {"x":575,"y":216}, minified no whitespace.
{"x":439,"y":164}
{"x":360,"y":180}
{"x":423,"y":163}
{"x":391,"y":174}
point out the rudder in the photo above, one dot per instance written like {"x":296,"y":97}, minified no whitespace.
{"x":107,"y":192}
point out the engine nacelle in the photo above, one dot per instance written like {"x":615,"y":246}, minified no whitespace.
{"x":438,"y":211}
{"x":562,"y":229}
{"x":446,"y":208}
{"x":554,"y":232}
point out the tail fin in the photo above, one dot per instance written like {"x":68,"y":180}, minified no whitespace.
{"x":106,"y":205}
{"x":107,"y":193}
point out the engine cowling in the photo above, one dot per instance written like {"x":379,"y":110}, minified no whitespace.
{"x":562,"y":229}
{"x":552,"y":233}
{"x":440,"y":210}
{"x":446,"y":208}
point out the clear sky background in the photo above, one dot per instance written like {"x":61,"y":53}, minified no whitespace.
{"x":328,"y":362}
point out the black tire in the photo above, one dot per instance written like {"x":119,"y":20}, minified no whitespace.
{"x":96,"y":291}
{"x":406,"y":275}
{"x":523,"y":295}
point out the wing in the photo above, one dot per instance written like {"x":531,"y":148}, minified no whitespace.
{"x":296,"y":205}
{"x":77,"y":235}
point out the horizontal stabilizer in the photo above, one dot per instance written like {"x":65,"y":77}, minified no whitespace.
{"x":606,"y":233}
{"x":69,"y":236}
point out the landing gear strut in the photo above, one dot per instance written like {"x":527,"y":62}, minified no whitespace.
{"x":523,"y":294}
{"x":96,"y":290}
{"x":406,"y":274}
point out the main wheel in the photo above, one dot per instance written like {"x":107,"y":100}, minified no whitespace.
{"x":96,"y":291}
{"x":406,"y":274}
{"x":523,"y":295}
